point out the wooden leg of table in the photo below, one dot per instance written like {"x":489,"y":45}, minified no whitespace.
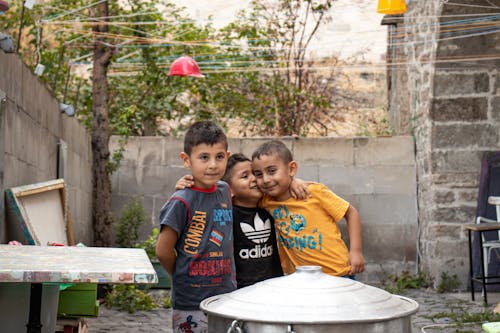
{"x":471,"y":268}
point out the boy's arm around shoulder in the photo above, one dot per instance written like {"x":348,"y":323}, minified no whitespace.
{"x":356,"y":259}
{"x":299,"y":190}
{"x":186,"y":181}
{"x":165,"y":248}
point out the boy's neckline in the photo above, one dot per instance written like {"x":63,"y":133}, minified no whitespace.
{"x":279,"y":200}
{"x":245,"y":203}
{"x":206,"y":190}
{"x":245,"y":206}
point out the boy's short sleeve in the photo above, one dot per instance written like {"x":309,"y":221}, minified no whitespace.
{"x":175,"y":214}
{"x":335,"y":205}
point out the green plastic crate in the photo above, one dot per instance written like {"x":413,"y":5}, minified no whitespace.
{"x":164,"y":281}
{"x":79,"y":300}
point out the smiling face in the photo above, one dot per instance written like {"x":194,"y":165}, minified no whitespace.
{"x":207,"y":163}
{"x":273,"y":175}
{"x":243,"y":184}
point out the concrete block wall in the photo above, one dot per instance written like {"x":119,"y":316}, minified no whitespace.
{"x":377,"y":175}
{"x":33,"y":130}
{"x":452,"y":104}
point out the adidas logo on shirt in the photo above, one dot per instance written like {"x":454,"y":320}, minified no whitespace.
{"x":259,"y":235}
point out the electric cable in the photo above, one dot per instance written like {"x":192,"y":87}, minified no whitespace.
{"x":468,"y":5}
{"x":72,"y":11}
{"x":471,"y":27}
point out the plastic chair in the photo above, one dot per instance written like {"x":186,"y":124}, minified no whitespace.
{"x":492,"y":244}
{"x":486,"y":211}
{"x":484,"y":266}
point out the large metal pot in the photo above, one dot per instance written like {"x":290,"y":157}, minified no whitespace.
{"x":309,"y":301}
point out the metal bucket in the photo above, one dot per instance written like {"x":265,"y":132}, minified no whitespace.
{"x":309,"y":301}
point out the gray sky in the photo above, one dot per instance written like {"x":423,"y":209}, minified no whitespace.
{"x":355,"y":27}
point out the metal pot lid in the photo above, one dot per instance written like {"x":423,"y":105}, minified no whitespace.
{"x":309,"y":296}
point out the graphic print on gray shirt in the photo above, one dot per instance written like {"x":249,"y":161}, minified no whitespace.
{"x":204,"y":223}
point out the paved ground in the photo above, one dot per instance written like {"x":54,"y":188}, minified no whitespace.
{"x":437,"y":311}
{"x":433,"y":315}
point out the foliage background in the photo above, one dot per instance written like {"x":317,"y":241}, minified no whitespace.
{"x":258,"y":78}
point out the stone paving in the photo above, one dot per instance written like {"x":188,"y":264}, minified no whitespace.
{"x":431,"y":306}
{"x":434,"y":308}
{"x":111,"y":320}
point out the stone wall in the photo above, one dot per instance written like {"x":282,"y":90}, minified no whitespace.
{"x":446,"y":96}
{"x":376,"y":175}
{"x":39,"y":143}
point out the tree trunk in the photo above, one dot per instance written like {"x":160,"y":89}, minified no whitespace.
{"x":101,"y":217}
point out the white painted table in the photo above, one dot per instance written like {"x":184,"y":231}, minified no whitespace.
{"x":69,"y":264}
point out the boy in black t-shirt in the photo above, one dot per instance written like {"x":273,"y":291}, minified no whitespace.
{"x":255,"y":248}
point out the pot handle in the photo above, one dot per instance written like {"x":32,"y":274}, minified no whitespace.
{"x":235,"y":327}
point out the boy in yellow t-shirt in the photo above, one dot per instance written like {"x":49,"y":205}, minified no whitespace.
{"x":307,"y":230}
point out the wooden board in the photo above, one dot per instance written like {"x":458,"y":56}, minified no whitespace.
{"x":74,"y":264}
{"x":41,"y":212}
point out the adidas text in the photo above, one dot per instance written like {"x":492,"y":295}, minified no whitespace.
{"x":257,"y":252}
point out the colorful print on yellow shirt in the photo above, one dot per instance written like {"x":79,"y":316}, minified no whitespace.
{"x":291,"y":227}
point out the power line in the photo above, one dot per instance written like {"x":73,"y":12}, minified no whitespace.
{"x":471,"y":6}
{"x":453,"y":34}
{"x":459,"y":25}
{"x":392,"y":63}
{"x":479,"y":25}
{"x":72,"y":11}
{"x":162,"y":41}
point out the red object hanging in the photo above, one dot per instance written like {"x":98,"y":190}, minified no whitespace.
{"x":185,"y":66}
{"x":4,"y":6}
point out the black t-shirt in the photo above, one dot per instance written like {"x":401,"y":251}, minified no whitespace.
{"x":255,"y":250}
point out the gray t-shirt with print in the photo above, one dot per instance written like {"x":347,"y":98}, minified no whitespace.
{"x":205,"y":264}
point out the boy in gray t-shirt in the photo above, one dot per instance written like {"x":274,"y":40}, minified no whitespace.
{"x":195,"y":244}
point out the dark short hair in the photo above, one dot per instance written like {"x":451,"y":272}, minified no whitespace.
{"x":274,"y":147}
{"x":204,"y":132}
{"x":231,"y":162}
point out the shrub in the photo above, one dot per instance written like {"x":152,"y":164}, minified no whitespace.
{"x":397,"y":284}
{"x":448,"y":283}
{"x":149,"y":245}
{"x":129,"y":298}
{"x":131,"y":218}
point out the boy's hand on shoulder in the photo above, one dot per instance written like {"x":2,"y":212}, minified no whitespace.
{"x":186,"y":181}
{"x":299,"y":190}
{"x":357,"y":262}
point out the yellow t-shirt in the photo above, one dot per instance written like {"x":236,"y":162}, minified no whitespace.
{"x":308,"y":233}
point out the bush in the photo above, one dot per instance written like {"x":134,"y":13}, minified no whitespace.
{"x":397,"y":284}
{"x":149,"y":245}
{"x":131,"y":218}
{"x":129,"y":298}
{"x":448,"y":283}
